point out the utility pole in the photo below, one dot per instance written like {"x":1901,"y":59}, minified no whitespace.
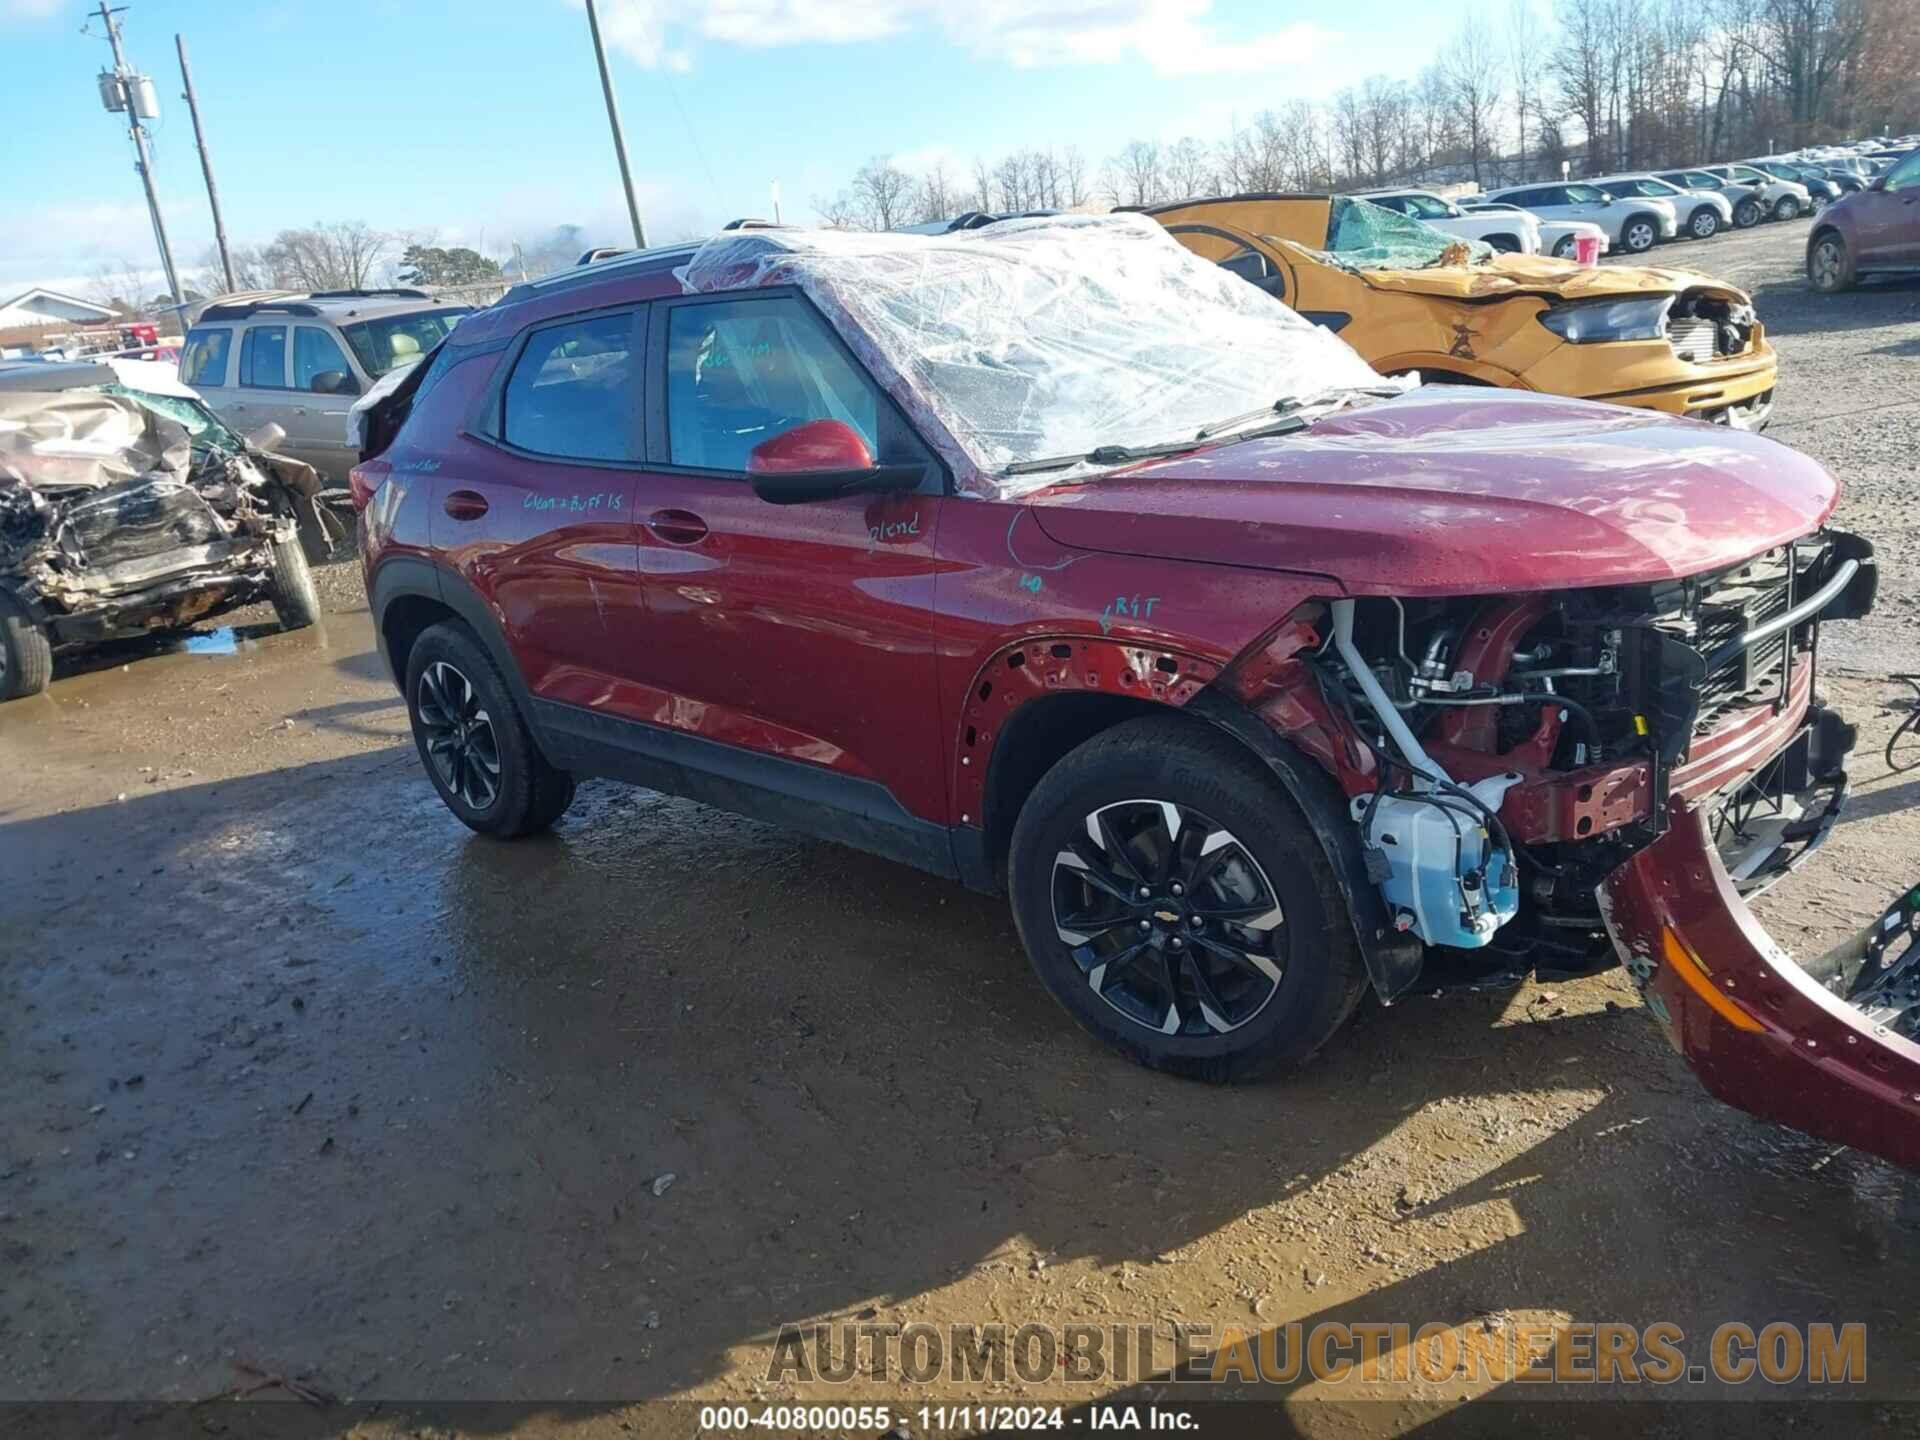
{"x":613,"y":119}
{"x":206,"y":161}
{"x":123,"y":90}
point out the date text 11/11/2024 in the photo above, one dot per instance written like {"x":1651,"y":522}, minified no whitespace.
{"x":962,"y":1419}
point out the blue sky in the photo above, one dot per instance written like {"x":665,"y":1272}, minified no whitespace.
{"x":483,"y":122}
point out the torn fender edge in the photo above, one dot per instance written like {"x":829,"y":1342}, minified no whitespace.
{"x":1393,"y":959}
{"x":1761,"y":1032}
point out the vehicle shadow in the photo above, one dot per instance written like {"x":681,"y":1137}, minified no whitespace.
{"x":420,"y":1114}
{"x":1790,"y":307}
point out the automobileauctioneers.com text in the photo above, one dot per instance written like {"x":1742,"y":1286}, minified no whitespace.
{"x":1327,"y":1352}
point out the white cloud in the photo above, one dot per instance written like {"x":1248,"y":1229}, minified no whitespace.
{"x":30,"y":9}
{"x":1175,"y":37}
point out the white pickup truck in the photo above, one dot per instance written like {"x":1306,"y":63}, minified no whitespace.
{"x":1515,"y":233}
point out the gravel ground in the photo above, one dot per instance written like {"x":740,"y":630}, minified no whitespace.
{"x":295,"y":1073}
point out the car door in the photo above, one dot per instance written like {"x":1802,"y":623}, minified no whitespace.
{"x":323,"y":388}
{"x":1886,"y":221}
{"x":536,"y":516}
{"x":797,"y":637}
{"x":260,"y":395}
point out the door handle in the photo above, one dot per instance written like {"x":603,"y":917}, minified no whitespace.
{"x":466,"y":504}
{"x":677,"y":527}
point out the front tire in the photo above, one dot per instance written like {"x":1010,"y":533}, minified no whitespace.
{"x":1705,"y":223}
{"x":1746,"y":214}
{"x":1786,"y":208}
{"x":26,"y":655}
{"x":1638,"y":235}
{"x":1174,"y":900}
{"x":473,"y":740}
{"x":290,"y":585}
{"x":1563,"y":248}
{"x":1829,"y":266}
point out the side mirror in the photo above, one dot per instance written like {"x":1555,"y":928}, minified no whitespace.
{"x":822,"y":460}
{"x":333,"y":382}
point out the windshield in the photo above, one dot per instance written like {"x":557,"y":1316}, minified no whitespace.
{"x":190,"y":415}
{"x":395,"y":340}
{"x":1362,"y":236}
{"x":1033,"y":339}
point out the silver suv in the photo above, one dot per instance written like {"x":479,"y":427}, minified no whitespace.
{"x":1748,"y":206}
{"x":297,"y":360}
{"x":1636,"y":223}
{"x":1703,"y":214}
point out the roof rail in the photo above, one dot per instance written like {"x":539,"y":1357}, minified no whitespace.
{"x":400,"y":292}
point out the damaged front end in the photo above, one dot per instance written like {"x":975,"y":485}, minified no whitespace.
{"x":124,"y":512}
{"x":1549,"y":783}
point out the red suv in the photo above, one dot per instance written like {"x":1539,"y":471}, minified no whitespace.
{"x":1049,"y":558}
{"x":1872,"y":232}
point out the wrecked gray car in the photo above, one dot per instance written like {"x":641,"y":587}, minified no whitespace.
{"x":127,"y":508}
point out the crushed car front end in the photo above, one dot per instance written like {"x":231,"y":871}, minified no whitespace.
{"x":1651,"y":757}
{"x":127,"y":511}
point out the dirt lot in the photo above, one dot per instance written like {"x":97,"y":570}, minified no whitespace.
{"x":296,"y":1072}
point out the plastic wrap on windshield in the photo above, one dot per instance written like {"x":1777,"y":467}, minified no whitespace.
{"x":1361,"y":236}
{"x":1043,"y":338}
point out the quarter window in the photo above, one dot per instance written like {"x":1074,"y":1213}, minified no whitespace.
{"x":574,"y":393}
{"x":314,"y":353}
{"x":742,"y":371}
{"x":204,"y":360}
{"x":263,"y":357}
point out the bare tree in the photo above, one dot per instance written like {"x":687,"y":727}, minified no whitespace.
{"x":884,"y":191}
{"x":938,"y":198}
{"x":1073,"y":177}
{"x":1134,"y":176}
{"x":1189,"y":170}
{"x":841,"y":211}
{"x":1526,"y":68}
{"x":1472,"y":67}
{"x":339,"y":256}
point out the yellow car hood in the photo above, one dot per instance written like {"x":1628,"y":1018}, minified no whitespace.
{"x":1505,"y":275}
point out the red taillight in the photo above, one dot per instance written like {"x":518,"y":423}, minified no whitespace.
{"x":362,"y":481}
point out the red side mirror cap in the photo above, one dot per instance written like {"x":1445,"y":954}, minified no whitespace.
{"x":817,"y":446}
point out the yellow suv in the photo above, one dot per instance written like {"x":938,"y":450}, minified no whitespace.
{"x":1409,"y":297}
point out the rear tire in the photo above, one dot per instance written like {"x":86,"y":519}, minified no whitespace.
{"x":1197,"y":992}
{"x":26,"y":655}
{"x":1746,"y":214}
{"x":290,"y":585}
{"x":1704,"y":224}
{"x":473,"y":740}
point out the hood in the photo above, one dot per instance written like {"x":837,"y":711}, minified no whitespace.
{"x":1459,"y":492}
{"x":1539,"y":275}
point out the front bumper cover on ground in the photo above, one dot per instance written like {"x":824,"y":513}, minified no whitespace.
{"x":1765,"y":1033}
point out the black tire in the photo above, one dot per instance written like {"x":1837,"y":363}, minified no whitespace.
{"x":1563,"y":248}
{"x":1640,"y":234}
{"x":1254,"y":1014}
{"x":1747,"y":214}
{"x":1903,"y":748}
{"x":26,"y":655}
{"x":513,"y":790}
{"x":1829,"y":263}
{"x":1504,"y":244}
{"x":290,"y":586}
{"x":1786,"y":208}
{"x":1704,"y":223}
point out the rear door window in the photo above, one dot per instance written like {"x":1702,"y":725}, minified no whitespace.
{"x":204,"y":360}
{"x":575,"y":391}
{"x":263,"y":357}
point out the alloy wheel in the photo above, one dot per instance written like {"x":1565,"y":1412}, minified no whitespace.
{"x":1169,"y":918}
{"x":1639,"y":237}
{"x":460,"y":738}
{"x":1563,"y":248}
{"x":1827,"y":264}
{"x":1705,"y":225}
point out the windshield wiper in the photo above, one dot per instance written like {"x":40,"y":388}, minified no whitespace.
{"x":1100,"y":455}
{"x":1279,"y":407}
